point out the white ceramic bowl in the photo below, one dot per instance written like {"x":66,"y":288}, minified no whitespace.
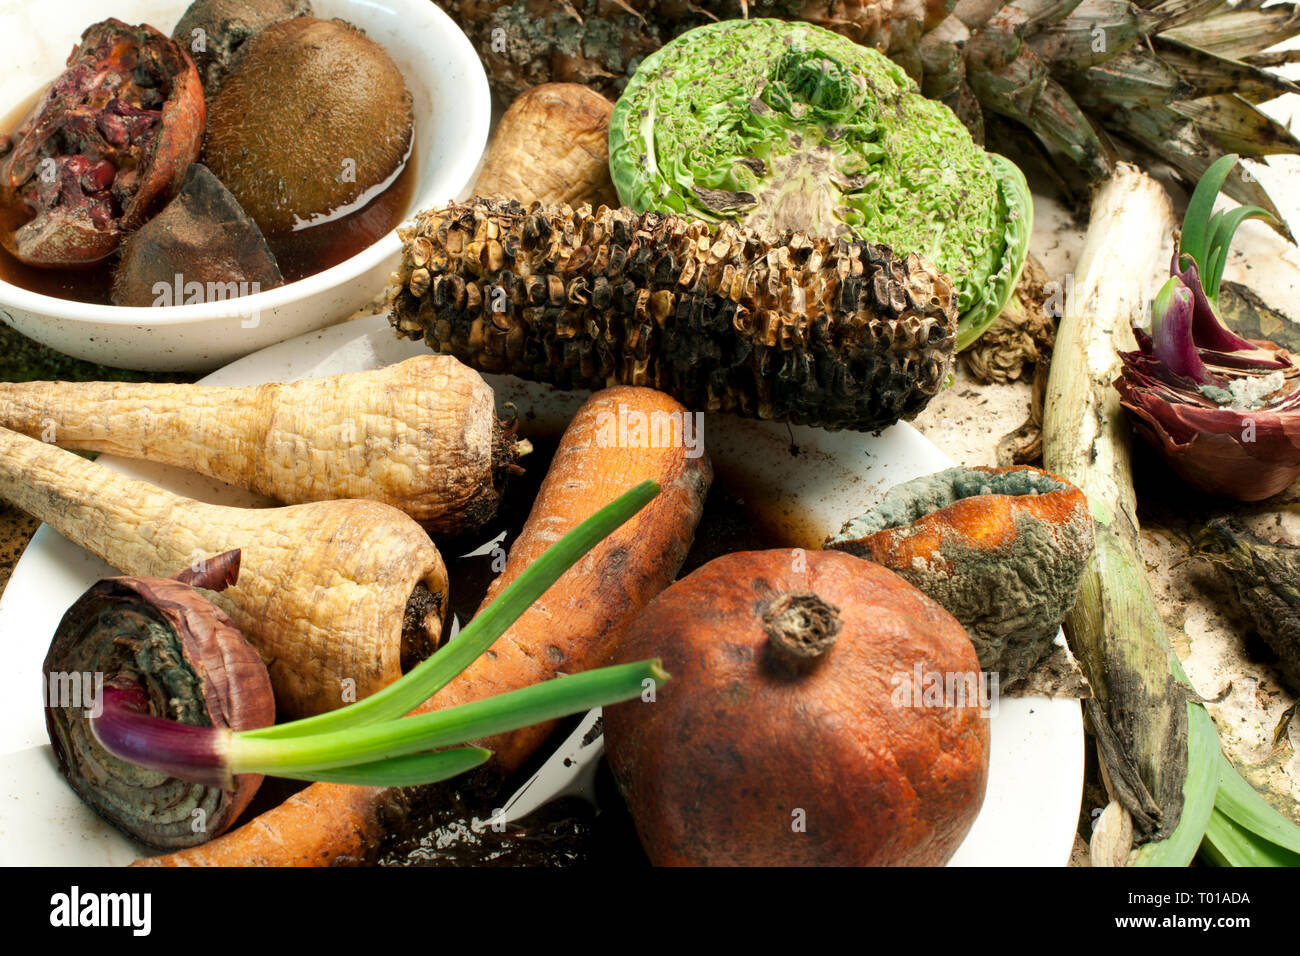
{"x":452,"y":115}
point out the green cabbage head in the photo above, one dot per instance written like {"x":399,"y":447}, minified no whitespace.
{"x":788,"y":126}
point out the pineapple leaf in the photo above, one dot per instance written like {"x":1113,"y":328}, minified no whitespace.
{"x":1235,"y":33}
{"x":1173,"y":13}
{"x":1207,"y":73}
{"x":1237,"y":126}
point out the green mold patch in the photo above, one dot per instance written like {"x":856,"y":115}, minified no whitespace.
{"x":912,"y":500}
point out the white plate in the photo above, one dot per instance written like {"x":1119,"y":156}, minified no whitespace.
{"x":1035,"y":783}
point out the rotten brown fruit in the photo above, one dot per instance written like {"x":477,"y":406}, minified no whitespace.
{"x":215,"y":31}
{"x":202,"y":242}
{"x":1003,"y":549}
{"x":106,"y":145}
{"x":313,"y":117}
{"x":784,"y":737}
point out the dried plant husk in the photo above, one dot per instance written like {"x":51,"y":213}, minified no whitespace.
{"x":191,"y":663}
{"x":793,"y":327}
{"x":1139,"y":711}
{"x":552,"y":147}
{"x":1002,"y":549}
{"x":1023,"y":335}
{"x":1264,"y":579}
{"x":106,"y":145}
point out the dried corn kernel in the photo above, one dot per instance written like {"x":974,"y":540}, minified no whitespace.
{"x":792,"y":328}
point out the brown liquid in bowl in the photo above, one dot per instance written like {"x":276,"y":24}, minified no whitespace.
{"x":300,"y":254}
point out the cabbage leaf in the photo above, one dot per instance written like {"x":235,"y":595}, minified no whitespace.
{"x":788,"y":126}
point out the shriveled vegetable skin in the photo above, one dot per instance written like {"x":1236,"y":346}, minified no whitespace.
{"x":191,"y":664}
{"x":574,"y":627}
{"x":331,"y":591}
{"x":1003,"y":549}
{"x":792,"y":328}
{"x":787,"y":710}
{"x":552,"y":146}
{"x":422,"y":435}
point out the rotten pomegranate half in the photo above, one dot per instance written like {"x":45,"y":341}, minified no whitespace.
{"x":794,"y":731}
{"x":104,"y":147}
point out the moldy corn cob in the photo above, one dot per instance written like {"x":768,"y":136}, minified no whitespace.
{"x":793,"y":328}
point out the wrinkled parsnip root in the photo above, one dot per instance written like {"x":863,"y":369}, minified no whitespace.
{"x":574,"y":626}
{"x":325,"y":589}
{"x":422,"y":435}
{"x":552,"y":147}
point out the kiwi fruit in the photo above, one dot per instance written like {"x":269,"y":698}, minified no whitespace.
{"x":313,"y":114}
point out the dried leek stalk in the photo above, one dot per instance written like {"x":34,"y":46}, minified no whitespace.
{"x":793,"y":328}
{"x":1140,"y":712}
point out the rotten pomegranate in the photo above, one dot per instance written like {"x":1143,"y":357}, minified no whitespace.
{"x":793,"y":732}
{"x":103,"y":148}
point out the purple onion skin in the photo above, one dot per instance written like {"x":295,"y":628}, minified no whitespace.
{"x":1247,"y":456}
{"x":1207,"y":331}
{"x":127,"y":730}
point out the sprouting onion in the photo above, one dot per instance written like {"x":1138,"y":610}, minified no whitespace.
{"x":214,"y":756}
{"x":371,"y":742}
{"x":1223,"y":411}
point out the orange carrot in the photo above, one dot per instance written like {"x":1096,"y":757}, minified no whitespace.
{"x":574,"y":626}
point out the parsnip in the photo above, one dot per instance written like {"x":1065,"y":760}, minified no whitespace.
{"x":552,"y":146}
{"x":422,"y":435}
{"x":325,"y":589}
{"x":574,"y":627}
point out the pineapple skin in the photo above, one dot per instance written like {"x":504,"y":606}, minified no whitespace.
{"x":790,"y":328}
{"x":1092,"y":80}
{"x":600,"y":42}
